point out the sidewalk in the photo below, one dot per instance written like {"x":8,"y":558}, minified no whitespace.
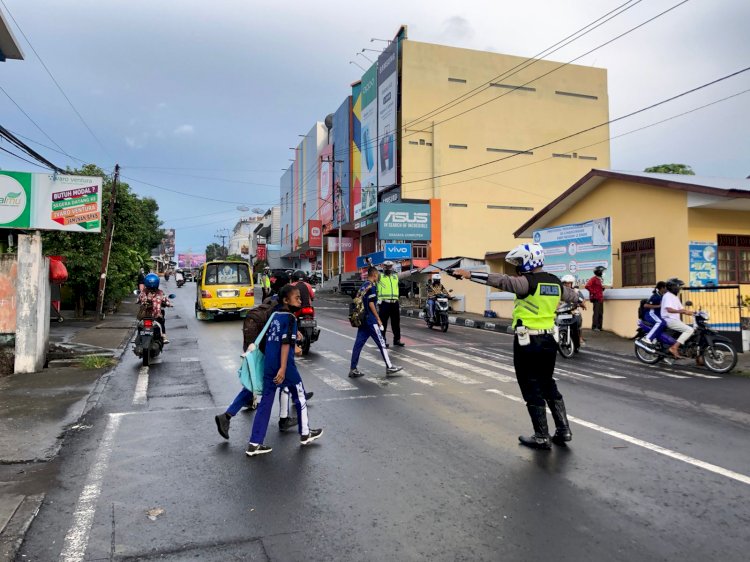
{"x":36,"y":411}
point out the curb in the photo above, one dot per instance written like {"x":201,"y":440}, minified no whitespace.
{"x":491,"y":324}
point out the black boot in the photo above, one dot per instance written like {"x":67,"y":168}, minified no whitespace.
{"x":562,"y":433}
{"x":540,"y":439}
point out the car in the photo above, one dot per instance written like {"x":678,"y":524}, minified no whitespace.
{"x":225,"y":288}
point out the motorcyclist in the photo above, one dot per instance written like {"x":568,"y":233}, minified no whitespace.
{"x":671,"y":312}
{"x":306,"y":292}
{"x":569,"y":282}
{"x":179,"y":277}
{"x":652,"y":314}
{"x":434,"y":288}
{"x":154,"y":299}
{"x":534,"y":347}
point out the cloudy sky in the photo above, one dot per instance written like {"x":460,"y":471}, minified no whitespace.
{"x":204,"y":98}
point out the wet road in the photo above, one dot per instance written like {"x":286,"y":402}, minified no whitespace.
{"x":421,"y":466}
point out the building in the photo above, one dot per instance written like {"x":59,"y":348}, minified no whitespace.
{"x":443,"y":148}
{"x":9,"y":47}
{"x":239,"y":240}
{"x":265,"y":240}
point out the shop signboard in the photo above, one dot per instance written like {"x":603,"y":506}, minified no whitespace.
{"x":315,"y":233}
{"x":704,"y":264}
{"x":395,"y":251}
{"x":50,"y":202}
{"x":347,"y":244}
{"x":393,"y":196}
{"x":261,"y":253}
{"x":387,"y":107}
{"x":342,"y":173}
{"x":356,"y":154}
{"x":369,"y":143}
{"x":404,"y":221}
{"x":325,"y":184}
{"x":577,"y":249}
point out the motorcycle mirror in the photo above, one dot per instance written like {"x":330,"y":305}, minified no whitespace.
{"x":172,"y":296}
{"x":136,"y":292}
{"x":689,"y":303}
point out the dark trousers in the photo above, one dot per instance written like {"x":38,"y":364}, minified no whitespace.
{"x":535,"y":365}
{"x":391,"y":310}
{"x":598,"y":318}
{"x":364,"y":333}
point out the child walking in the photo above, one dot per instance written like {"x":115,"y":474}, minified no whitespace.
{"x":280,"y":371}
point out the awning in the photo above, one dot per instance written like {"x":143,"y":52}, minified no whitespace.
{"x":440,"y":265}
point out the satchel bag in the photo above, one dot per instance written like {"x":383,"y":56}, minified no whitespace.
{"x":251,"y":369}
{"x":357,"y":311}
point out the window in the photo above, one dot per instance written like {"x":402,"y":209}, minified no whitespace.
{"x":458,"y":146}
{"x":457,"y":80}
{"x":419,"y":251}
{"x":512,"y":87}
{"x":587,"y":157}
{"x":558,"y":155}
{"x":508,"y":150}
{"x":638,"y":262}
{"x":510,"y":207}
{"x":576,"y":95}
{"x":457,"y":205}
{"x":227,"y":274}
{"x":734,"y":258}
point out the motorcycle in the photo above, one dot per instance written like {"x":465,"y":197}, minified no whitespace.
{"x":308,"y":327}
{"x":440,"y":317}
{"x":180,"y":280}
{"x":149,"y":341}
{"x":568,"y":342}
{"x":716,"y":350}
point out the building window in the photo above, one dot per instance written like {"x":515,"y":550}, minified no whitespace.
{"x":510,"y":207}
{"x":457,"y":205}
{"x":512,"y":87}
{"x":508,"y":150}
{"x":587,"y":158}
{"x":734,"y":259}
{"x":419,"y":251}
{"x":576,"y":95}
{"x":458,"y":146}
{"x":414,"y":142}
{"x":457,"y":80}
{"x":638,"y":262}
{"x":558,"y":155}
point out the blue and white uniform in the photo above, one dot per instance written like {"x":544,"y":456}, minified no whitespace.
{"x":654,"y":315}
{"x":370,"y":328}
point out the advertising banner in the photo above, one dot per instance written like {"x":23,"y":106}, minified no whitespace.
{"x":347,"y":244}
{"x":368,"y":144}
{"x":50,"y":202}
{"x":404,"y":221}
{"x":704,"y":264}
{"x":397,"y":251}
{"x":261,"y":253}
{"x":168,"y":242}
{"x":576,"y":249}
{"x":342,"y":176}
{"x":325,"y":183}
{"x":190,"y":260}
{"x":315,"y":233}
{"x":355,"y":154}
{"x":387,"y":107}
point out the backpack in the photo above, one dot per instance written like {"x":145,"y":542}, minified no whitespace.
{"x":642,"y":309}
{"x":254,"y":321}
{"x":357,"y":307}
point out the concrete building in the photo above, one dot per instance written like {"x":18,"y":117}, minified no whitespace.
{"x":265,"y":240}
{"x":239,"y":239}
{"x":9,"y":47}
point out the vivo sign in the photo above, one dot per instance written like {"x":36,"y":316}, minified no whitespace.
{"x":404,"y":221}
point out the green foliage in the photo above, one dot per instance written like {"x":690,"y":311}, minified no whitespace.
{"x":97,"y":362}
{"x":137,"y":232}
{"x":683,"y":169}
{"x":259,"y":266}
{"x":235,"y":257}
{"x":215,"y":252}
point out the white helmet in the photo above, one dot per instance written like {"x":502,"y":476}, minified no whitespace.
{"x":436,"y":277}
{"x":568,"y":279}
{"x":526,"y":257}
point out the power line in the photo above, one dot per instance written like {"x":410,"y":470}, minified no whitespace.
{"x":28,"y":150}
{"x":73,"y":107}
{"x":187,"y":194}
{"x":22,"y":158}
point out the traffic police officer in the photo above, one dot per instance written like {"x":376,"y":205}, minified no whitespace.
{"x":389,"y":303}
{"x":534,"y":347}
{"x":265,"y":282}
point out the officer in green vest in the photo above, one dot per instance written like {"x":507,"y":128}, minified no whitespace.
{"x":265,"y":282}
{"x":534,"y":347}
{"x":389,"y":303}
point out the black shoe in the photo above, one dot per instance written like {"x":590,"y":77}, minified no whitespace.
{"x":222,"y":424}
{"x":540,"y":439}
{"x":354,"y":373}
{"x":387,"y":346}
{"x":562,"y":433}
{"x":308,"y":395}
{"x":392,"y":370}
{"x":399,"y":343}
{"x":310,"y":437}
{"x":254,"y":450}
{"x":287,"y":423}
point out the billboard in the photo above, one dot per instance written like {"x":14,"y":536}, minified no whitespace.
{"x":355,"y":154}
{"x":50,"y":202}
{"x":404,"y":221}
{"x":342,"y":177}
{"x":315,"y":233}
{"x":387,"y":108}
{"x":369,"y":143}
{"x":190,"y":260}
{"x":168,"y":242}
{"x":347,"y":244}
{"x":704,"y":264}
{"x":576,"y":249}
{"x":325,"y":184}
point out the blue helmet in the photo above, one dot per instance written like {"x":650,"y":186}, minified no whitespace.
{"x":151,"y":281}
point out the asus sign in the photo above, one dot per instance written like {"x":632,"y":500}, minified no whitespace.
{"x":404,"y":221}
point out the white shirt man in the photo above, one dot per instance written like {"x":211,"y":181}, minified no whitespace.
{"x":671,"y":311}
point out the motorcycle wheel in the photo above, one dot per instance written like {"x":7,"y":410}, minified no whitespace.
{"x":146,"y":357}
{"x":444,"y":324}
{"x":306,"y":347}
{"x":647,"y":357}
{"x":720,"y":357}
{"x":566,"y":347}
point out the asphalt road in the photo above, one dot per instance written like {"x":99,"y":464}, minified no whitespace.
{"x":422,"y":466}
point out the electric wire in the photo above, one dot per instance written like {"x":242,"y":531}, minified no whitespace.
{"x":24,"y":159}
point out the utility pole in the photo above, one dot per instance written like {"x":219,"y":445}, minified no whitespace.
{"x":223,"y":245}
{"x":110,"y":229}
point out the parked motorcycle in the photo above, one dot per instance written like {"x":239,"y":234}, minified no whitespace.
{"x":440,"y":317}
{"x":308,"y":327}
{"x":568,"y":342}
{"x":716,"y":350}
{"x":149,"y":341}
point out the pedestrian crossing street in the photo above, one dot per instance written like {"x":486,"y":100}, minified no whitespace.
{"x":431,"y":367}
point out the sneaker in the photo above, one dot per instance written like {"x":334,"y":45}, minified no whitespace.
{"x":309,"y":395}
{"x":354,"y":373}
{"x":164,"y":341}
{"x":287,"y":423}
{"x":399,"y":343}
{"x":387,"y":346}
{"x":222,"y":425}
{"x":647,"y":341}
{"x":392,"y":370}
{"x":254,"y":450}
{"x":310,"y":437}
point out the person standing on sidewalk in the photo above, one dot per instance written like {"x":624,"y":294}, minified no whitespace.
{"x":372,"y":327}
{"x":534,"y":347}
{"x":388,"y":295}
{"x":265,"y":282}
{"x":595,"y":287}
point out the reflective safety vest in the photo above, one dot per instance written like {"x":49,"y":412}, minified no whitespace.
{"x":537,"y":310}
{"x":388,"y":287}
{"x":265,"y":281}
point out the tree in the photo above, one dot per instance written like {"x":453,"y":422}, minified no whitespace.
{"x":683,"y":169}
{"x":215,"y":252}
{"x":137,"y":231}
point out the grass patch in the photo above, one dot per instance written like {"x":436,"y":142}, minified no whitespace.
{"x":97,"y":362}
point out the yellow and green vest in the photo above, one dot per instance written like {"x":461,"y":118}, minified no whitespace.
{"x":537,"y":310}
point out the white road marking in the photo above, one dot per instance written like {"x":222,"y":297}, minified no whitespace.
{"x":367,"y":396}
{"x":337,"y":333}
{"x":489,"y":363}
{"x":141,"y":387}
{"x":403,"y":373}
{"x":77,"y":538}
{"x":439,"y":370}
{"x":333,"y":381}
{"x":381,"y":382}
{"x":645,"y":444}
{"x":189,"y":359}
{"x":332,"y":356}
{"x":462,"y":365}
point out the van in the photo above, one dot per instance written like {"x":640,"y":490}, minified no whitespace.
{"x":224,"y":288}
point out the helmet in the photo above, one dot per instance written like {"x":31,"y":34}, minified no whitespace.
{"x":388,"y":264}
{"x":568,"y":279}
{"x":674,"y":285}
{"x":151,"y":281}
{"x":526,"y":257}
{"x":298,"y":275}
{"x":436,"y":277}
{"x":599,"y":269}
{"x":266,"y":269}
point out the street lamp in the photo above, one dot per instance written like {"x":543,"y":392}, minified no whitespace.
{"x":365,"y":57}
{"x":358,"y":66}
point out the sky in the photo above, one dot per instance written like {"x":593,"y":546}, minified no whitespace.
{"x":205,"y":98}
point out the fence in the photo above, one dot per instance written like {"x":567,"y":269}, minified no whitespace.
{"x":724,"y":306}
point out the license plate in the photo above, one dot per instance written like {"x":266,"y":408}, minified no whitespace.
{"x":565,"y":317}
{"x":307,"y":323}
{"x":228,"y":294}
{"x":229,"y":306}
